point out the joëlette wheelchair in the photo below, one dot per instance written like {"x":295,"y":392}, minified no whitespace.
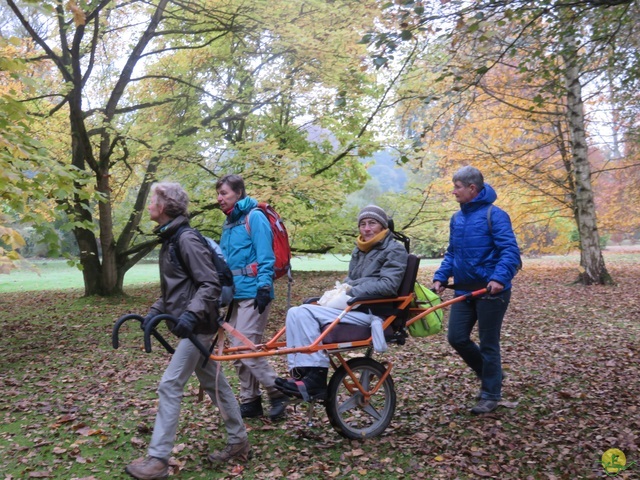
{"x":361,"y":398}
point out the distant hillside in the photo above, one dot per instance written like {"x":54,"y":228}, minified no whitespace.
{"x":385,"y":170}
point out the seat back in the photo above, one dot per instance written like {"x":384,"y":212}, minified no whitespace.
{"x":410,"y":276}
{"x":406,"y":287}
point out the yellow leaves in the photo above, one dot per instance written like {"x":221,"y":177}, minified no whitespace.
{"x":79,"y":17}
{"x":11,"y":237}
{"x":13,"y":240}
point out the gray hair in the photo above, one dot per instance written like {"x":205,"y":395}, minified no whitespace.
{"x":172,"y":197}
{"x":469,"y":175}
{"x":235,"y":183}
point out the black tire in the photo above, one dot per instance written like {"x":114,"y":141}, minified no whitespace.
{"x":345,"y":409}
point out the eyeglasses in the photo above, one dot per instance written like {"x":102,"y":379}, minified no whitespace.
{"x":370,"y":223}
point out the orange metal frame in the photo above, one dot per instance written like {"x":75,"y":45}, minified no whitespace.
{"x":275,"y":346}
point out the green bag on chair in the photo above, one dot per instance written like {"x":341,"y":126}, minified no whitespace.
{"x":429,"y":324}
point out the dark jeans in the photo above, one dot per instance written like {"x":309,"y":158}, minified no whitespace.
{"x":484,"y":359}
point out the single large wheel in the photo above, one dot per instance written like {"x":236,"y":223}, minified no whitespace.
{"x":349,"y":412}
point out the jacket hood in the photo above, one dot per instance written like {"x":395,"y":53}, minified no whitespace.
{"x":486,"y":197}
{"x":242,"y":207}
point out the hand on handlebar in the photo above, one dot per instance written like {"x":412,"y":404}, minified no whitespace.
{"x":438,"y":287}
{"x":493,"y":287}
{"x":185,"y":325}
{"x":146,"y":320}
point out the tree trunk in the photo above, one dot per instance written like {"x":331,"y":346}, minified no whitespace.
{"x":593,"y":269}
{"x":81,"y":209}
{"x":109,"y":271}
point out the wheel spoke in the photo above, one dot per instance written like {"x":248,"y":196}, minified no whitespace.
{"x":351,"y":403}
{"x":371,"y":410}
{"x":365,"y":379}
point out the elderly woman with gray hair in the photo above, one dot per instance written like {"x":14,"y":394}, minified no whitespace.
{"x":189,"y":293}
{"x":377,"y":267}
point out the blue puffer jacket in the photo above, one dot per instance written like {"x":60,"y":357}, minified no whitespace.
{"x":477,"y":255}
{"x":242,"y":249}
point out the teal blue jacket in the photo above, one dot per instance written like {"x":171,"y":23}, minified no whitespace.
{"x":244,"y":248}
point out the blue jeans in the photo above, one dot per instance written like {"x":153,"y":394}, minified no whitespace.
{"x":484,"y":359}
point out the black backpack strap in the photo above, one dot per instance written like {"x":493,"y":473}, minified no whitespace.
{"x":240,"y":221}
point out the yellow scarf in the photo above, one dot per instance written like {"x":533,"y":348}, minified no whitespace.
{"x":367,"y":246}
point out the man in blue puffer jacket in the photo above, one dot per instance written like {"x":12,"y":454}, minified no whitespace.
{"x":482,"y":252}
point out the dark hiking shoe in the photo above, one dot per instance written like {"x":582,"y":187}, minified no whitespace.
{"x":150,"y":468}
{"x":240,"y":452}
{"x":485,"y":406}
{"x":252,"y":409}
{"x":312,"y":386}
{"x":278,"y":409}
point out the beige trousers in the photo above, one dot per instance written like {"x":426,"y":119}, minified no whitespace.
{"x":252,"y":372}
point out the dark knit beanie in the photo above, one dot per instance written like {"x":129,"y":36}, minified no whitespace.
{"x":376,"y":213}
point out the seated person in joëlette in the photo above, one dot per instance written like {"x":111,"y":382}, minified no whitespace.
{"x":377,"y":267}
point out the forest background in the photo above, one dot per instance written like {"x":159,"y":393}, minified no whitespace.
{"x":100,"y":99}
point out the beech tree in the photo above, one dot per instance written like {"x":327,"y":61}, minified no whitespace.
{"x":188,"y":91}
{"x":31,"y":183}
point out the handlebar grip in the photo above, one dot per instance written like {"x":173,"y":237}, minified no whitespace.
{"x":116,"y":328}
{"x":150,"y":328}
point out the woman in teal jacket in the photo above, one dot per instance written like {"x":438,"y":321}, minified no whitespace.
{"x":247,"y":244}
{"x":482,"y":252}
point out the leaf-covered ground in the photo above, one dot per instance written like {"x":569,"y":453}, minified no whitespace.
{"x":72,"y":407}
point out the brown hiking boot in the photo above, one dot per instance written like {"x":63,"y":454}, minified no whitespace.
{"x":233,"y":451}
{"x":150,"y":468}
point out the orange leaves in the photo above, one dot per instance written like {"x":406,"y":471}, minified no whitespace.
{"x":79,"y":17}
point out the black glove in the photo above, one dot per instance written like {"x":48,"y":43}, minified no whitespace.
{"x":263,"y":297}
{"x":186,"y":324}
{"x":146,"y":320}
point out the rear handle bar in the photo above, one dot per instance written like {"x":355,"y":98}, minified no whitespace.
{"x":132,"y":316}
{"x":150,"y":328}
